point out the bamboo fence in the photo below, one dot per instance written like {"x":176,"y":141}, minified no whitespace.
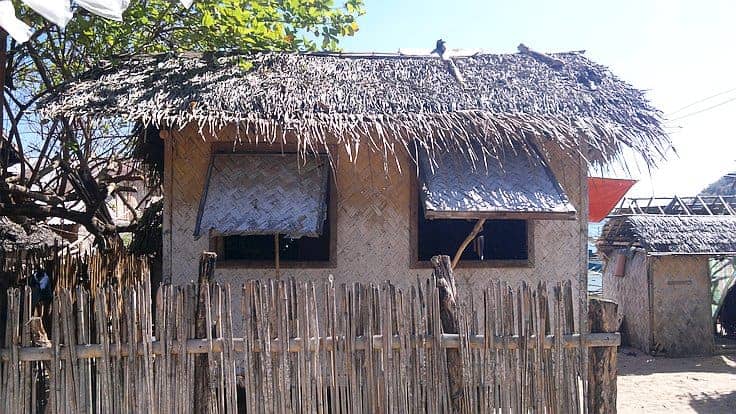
{"x":306,"y":347}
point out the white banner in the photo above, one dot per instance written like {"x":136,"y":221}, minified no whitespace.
{"x":18,"y":30}
{"x":58,"y":12}
{"x":109,"y":9}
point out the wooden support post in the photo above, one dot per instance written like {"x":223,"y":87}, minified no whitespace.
{"x":450,"y":325}
{"x":202,"y":394}
{"x":603,"y":318}
{"x":40,"y":339}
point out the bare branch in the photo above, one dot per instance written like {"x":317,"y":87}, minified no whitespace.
{"x":35,"y":195}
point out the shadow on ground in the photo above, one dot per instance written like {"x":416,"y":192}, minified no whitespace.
{"x":709,"y":404}
{"x":676,"y":385}
{"x":635,"y":362}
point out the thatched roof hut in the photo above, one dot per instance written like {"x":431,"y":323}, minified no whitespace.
{"x":481,"y":157}
{"x":14,"y":237}
{"x":671,"y":235}
{"x":657,"y":269}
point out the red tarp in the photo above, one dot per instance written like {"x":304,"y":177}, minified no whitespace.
{"x":604,"y":194}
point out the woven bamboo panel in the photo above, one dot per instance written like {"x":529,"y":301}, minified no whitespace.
{"x":681,"y":321}
{"x":265,"y":194}
{"x":373,"y":226}
{"x":189,"y":155}
{"x":513,"y":183}
{"x":631,"y":292}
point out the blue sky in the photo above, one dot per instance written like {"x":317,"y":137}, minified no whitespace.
{"x":679,"y":51}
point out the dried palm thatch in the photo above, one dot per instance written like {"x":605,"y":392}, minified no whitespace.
{"x":662,"y":235}
{"x":385,"y":101}
{"x":14,"y":237}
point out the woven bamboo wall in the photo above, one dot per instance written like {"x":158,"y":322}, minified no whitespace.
{"x":373,"y":224}
{"x":631,"y":292}
{"x":681,"y":322}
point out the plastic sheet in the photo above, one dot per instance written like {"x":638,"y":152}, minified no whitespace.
{"x":604,"y":194}
{"x":58,"y":12}
{"x":109,"y":9}
{"x":18,"y":30}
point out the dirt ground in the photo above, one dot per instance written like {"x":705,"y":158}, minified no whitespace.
{"x":676,"y":385}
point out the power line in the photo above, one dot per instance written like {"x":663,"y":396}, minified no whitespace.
{"x":704,"y":109}
{"x":702,"y":100}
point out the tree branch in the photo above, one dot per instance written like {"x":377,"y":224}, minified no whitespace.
{"x":35,"y":195}
{"x":476,"y":229}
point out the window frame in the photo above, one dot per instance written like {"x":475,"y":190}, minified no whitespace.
{"x":217,"y":243}
{"x":415,"y":263}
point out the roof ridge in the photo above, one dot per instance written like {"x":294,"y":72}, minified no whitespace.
{"x":459,"y":54}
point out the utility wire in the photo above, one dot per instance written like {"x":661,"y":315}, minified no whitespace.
{"x":690,"y":105}
{"x":704,"y":109}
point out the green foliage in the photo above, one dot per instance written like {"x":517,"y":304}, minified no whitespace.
{"x":154,"y":26}
{"x":164,"y":25}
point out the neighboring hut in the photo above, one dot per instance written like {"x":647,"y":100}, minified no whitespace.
{"x":304,"y":165}
{"x":32,"y":236}
{"x":16,"y":242}
{"x":657,"y":270}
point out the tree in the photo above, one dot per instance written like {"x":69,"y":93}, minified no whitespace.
{"x":69,"y":169}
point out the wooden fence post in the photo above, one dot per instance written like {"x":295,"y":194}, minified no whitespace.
{"x":40,"y":339}
{"x":202,"y":393}
{"x":450,"y":324}
{"x":603,"y":318}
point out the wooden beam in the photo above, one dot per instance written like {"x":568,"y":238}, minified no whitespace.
{"x":682,"y":204}
{"x":704,"y":204}
{"x":504,"y":215}
{"x":464,"y":245}
{"x":727,"y":205}
{"x":325,"y":343}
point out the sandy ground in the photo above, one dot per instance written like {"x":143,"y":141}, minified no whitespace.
{"x":676,"y":385}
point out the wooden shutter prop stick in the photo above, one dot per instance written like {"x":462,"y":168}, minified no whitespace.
{"x":464,"y":245}
{"x":276,"y":255}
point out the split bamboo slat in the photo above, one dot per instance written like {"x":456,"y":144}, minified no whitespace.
{"x":311,"y":347}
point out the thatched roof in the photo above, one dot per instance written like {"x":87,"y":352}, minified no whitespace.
{"x":660,"y":235}
{"x":497,"y":101}
{"x":14,"y":237}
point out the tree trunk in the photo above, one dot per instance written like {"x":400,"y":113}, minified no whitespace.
{"x":450,"y":324}
{"x":603,"y":318}
{"x":202,"y":392}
